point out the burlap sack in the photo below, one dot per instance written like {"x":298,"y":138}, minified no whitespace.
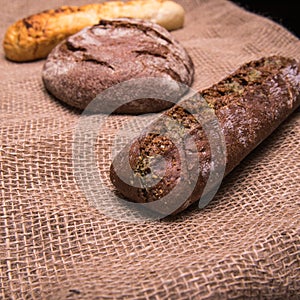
{"x":55,"y":245}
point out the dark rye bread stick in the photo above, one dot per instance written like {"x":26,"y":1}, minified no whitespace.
{"x":249,"y":105}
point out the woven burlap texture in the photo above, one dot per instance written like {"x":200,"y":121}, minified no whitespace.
{"x":55,"y":245}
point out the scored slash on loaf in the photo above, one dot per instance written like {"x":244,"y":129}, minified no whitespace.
{"x":249,"y":104}
{"x":34,"y":37}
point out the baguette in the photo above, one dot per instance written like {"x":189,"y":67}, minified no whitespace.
{"x":34,"y":37}
{"x":249,"y":105}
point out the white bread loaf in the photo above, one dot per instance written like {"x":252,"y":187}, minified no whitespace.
{"x":35,"y":36}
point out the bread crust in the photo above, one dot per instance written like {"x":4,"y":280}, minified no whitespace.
{"x":76,"y":71}
{"x":34,"y":37}
{"x":249,"y":105}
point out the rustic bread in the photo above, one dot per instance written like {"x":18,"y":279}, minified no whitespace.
{"x":35,"y":36}
{"x":114,"y":51}
{"x":249,"y":105}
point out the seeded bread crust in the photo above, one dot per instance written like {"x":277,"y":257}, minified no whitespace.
{"x":35,"y":36}
{"x":249,"y":105}
{"x":114,"y":51}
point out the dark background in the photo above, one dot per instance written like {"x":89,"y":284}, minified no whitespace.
{"x":283,"y":12}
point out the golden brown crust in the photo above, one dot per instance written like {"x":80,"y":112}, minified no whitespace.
{"x":35,"y":36}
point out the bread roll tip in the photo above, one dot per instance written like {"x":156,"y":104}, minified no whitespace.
{"x":171,"y":15}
